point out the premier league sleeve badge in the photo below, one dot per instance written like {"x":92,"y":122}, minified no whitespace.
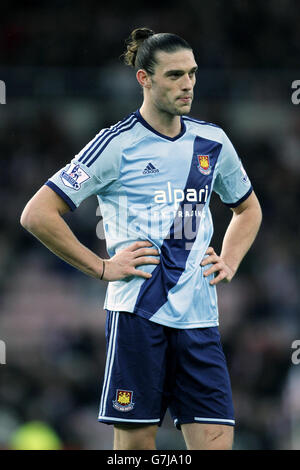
{"x":74,"y":176}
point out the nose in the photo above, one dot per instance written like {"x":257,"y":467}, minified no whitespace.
{"x":187,"y":82}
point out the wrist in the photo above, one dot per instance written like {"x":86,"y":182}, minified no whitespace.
{"x":231,"y":264}
{"x":232,"y":267}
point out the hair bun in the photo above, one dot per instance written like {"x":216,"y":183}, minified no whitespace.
{"x":141,"y":34}
{"x":136,"y":38}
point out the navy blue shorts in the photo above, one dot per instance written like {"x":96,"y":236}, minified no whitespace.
{"x":151,"y":367}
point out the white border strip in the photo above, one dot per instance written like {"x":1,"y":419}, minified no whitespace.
{"x":231,"y":421}
{"x":109,"y":362}
{"x":129,"y":420}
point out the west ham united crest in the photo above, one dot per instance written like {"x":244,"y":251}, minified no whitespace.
{"x":204,"y":164}
{"x":123,"y":401}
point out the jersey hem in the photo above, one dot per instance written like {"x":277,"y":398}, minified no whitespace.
{"x":147,"y":316}
{"x":186,"y":326}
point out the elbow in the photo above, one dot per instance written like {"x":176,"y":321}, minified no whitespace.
{"x":259,"y":215}
{"x":25,"y":219}
{"x":28,"y":219}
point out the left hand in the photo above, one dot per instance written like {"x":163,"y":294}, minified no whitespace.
{"x":219,"y":266}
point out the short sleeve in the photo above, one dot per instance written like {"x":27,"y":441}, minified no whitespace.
{"x":90,"y":171}
{"x":231,"y":183}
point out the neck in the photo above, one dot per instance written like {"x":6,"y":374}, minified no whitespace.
{"x":163,"y":122}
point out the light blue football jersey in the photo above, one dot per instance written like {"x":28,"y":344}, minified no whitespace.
{"x":157,"y":188}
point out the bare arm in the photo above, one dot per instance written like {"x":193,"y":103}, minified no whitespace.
{"x":42,"y":217}
{"x":239,"y":236}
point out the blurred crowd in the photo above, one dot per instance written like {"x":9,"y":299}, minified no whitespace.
{"x":51,"y":316}
{"x":75,"y":33}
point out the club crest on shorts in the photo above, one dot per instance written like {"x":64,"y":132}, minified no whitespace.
{"x":123,"y":401}
{"x":74,"y":176}
{"x":204,"y":164}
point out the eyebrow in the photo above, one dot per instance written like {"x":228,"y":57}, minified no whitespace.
{"x":179,"y":71}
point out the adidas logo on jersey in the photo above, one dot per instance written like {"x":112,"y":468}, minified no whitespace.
{"x":150,"y":169}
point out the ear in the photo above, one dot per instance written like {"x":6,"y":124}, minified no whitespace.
{"x":143,"y":78}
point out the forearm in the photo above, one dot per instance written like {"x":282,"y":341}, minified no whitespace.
{"x":240,"y":235}
{"x":55,"y":234}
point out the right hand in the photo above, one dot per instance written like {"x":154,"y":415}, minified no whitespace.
{"x":123,"y":263}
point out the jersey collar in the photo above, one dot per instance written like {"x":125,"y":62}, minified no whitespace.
{"x":145,"y":124}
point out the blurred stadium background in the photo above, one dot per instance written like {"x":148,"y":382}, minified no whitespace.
{"x":64,"y":79}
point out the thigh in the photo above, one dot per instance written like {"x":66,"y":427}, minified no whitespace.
{"x":205,"y":436}
{"x":134,"y":437}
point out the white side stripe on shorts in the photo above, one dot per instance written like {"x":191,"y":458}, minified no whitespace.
{"x":231,"y":421}
{"x":130,"y":420}
{"x":109,"y":362}
{"x":219,"y":420}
